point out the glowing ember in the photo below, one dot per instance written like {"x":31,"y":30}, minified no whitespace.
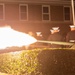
{"x":10,"y":37}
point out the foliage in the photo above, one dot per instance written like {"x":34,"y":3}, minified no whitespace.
{"x":39,"y":62}
{"x":20,"y":63}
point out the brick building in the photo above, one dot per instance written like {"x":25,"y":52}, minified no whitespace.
{"x":36,"y":15}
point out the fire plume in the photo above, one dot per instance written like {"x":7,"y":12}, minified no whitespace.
{"x":10,"y":37}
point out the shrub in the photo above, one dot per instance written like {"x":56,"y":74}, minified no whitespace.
{"x":39,"y":62}
{"x":19,"y":63}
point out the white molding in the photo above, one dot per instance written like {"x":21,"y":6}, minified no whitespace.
{"x":39,"y":1}
{"x":64,"y":14}
{"x":20,"y":14}
{"x":3,"y":11}
{"x":46,"y":13}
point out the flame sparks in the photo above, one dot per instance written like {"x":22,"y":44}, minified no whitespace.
{"x":10,"y":37}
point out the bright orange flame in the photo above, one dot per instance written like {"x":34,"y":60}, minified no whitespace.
{"x":10,"y":37}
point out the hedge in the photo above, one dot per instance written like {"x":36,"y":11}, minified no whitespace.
{"x":39,"y":62}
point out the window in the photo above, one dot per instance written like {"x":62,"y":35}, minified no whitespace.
{"x":67,"y":13}
{"x":45,"y":12}
{"x":23,"y":12}
{"x":1,"y":11}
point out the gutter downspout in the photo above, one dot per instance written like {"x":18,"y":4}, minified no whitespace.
{"x":72,"y":4}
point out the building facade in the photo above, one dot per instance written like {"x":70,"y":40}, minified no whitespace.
{"x":36,"y":15}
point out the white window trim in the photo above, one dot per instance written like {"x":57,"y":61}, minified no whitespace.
{"x":45,"y":13}
{"x":64,"y":14}
{"x":3,"y":11}
{"x":20,"y":14}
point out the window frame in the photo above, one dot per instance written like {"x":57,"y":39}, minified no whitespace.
{"x":20,"y":12}
{"x":46,"y":13}
{"x":64,"y":13}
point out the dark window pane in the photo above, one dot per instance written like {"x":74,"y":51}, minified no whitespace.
{"x":23,"y":12}
{"x":23,"y":9}
{"x":45,"y":10}
{"x":1,"y":8}
{"x":45,"y":17}
{"x":23,"y":16}
{"x":67,"y":10}
{"x":1,"y":15}
{"x":67,"y":13}
{"x":67,"y":17}
{"x":1,"y":11}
